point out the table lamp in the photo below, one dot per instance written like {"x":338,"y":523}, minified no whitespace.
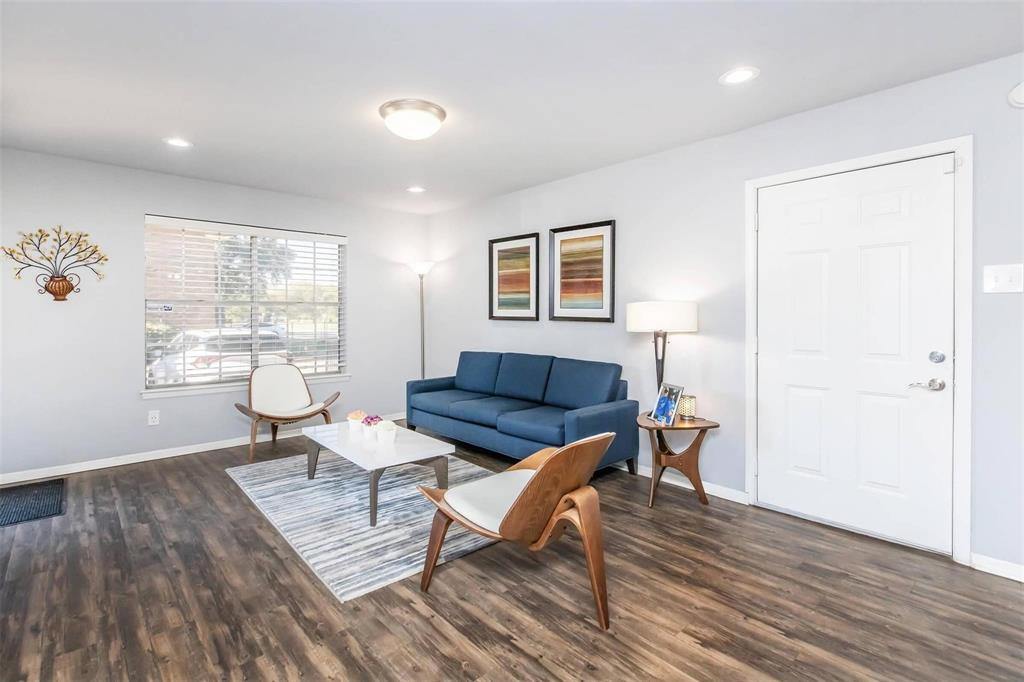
{"x":662,"y":318}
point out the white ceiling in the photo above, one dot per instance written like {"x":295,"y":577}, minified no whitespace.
{"x":284,"y":96}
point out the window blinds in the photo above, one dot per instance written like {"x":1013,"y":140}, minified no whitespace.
{"x":223,"y":299}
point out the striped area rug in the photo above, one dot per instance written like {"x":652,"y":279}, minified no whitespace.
{"x":327,"y":520}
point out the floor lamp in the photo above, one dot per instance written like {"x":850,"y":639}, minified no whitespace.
{"x":422,"y":268}
{"x":661,"y":318}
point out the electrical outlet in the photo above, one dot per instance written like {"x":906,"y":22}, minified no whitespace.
{"x":154,"y":418}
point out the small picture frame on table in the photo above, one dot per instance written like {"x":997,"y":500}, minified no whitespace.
{"x":667,"y":405}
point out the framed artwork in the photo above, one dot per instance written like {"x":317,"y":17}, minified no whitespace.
{"x":665,"y":409}
{"x":581,"y":283}
{"x":514,"y":277}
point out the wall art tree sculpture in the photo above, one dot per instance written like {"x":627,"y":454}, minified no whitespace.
{"x":57,"y":253}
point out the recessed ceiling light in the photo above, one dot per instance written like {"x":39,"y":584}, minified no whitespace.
{"x":1016,"y":96}
{"x":416,"y":189}
{"x":741,"y":74}
{"x":178,"y":142}
{"x":413,"y":119}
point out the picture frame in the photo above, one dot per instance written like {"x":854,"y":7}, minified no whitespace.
{"x":581,"y":272}
{"x":667,"y":405}
{"x":514,"y":278}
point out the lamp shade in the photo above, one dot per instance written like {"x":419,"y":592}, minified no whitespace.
{"x":662,"y":316}
{"x":421,"y":267}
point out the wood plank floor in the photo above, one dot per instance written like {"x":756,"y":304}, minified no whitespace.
{"x":165,"y":570}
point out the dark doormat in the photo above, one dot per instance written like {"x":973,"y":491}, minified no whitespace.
{"x":31,"y":501}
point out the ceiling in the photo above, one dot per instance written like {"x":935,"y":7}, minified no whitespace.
{"x":284,"y":96}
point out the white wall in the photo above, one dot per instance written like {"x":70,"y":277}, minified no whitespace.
{"x":680,"y":234}
{"x":71,"y":372}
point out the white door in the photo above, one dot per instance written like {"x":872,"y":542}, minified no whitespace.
{"x":854,"y":306}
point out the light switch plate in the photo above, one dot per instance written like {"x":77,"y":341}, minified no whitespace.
{"x":1004,"y":279}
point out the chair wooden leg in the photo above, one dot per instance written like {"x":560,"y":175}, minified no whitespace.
{"x":437,"y":533}
{"x":252,"y":440}
{"x":327,"y":417}
{"x":589,"y":525}
{"x":273,"y":433}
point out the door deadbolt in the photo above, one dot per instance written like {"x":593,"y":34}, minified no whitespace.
{"x":937,"y":357}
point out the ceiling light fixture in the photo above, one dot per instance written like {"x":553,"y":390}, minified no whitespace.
{"x":1016,"y":96}
{"x":412,"y":119}
{"x":416,"y":189}
{"x":741,"y":74}
{"x":178,"y":142}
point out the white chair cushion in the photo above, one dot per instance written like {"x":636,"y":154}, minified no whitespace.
{"x":279,"y":390}
{"x":486,"y":501}
{"x":312,"y":409}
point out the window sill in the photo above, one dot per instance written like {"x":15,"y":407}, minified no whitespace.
{"x":232,"y":387}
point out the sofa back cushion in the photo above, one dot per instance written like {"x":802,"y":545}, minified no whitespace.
{"x":523,"y":376}
{"x":477,"y":371}
{"x":622,"y":392}
{"x":579,"y":383}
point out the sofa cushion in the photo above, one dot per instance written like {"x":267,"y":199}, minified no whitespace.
{"x":487,"y":410}
{"x":523,"y":376}
{"x":580,"y":383}
{"x":545,"y":424}
{"x":485,"y":501}
{"x":440,"y":402}
{"x":477,"y":371}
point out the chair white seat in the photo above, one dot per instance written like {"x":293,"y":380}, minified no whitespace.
{"x":310,"y":409}
{"x":486,"y":501}
{"x":278,"y":394}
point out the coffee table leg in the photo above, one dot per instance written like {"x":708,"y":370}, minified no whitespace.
{"x":441,"y":471}
{"x":374,"y":480}
{"x":312,"y":455}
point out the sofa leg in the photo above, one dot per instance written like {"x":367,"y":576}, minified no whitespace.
{"x":411,"y":427}
{"x":631,"y":465}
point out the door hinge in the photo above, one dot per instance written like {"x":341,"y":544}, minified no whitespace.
{"x":957,"y":162}
{"x":755,"y":345}
{"x":757,"y":222}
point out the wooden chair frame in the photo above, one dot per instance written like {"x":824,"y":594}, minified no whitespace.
{"x":277,"y":420}
{"x":542,"y":512}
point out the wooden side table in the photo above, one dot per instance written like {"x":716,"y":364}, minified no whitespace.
{"x":663,"y":456}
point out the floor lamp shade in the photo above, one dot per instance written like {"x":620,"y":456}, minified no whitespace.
{"x":661,"y":318}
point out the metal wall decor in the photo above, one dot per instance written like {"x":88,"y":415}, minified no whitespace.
{"x":57,"y":253}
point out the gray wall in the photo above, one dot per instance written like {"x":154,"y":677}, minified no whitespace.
{"x":71,"y":372}
{"x":681,"y":235}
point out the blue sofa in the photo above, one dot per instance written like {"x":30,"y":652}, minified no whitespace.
{"x":516,"y":404}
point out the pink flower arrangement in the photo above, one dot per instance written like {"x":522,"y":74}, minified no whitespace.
{"x":371,"y":420}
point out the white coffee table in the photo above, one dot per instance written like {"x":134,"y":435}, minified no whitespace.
{"x":370,"y":455}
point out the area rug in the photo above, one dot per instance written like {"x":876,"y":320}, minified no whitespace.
{"x":31,"y":501}
{"x":327,"y":520}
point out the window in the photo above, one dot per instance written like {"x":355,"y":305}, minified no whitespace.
{"x":223,"y":299}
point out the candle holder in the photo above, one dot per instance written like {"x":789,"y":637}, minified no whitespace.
{"x":688,"y":407}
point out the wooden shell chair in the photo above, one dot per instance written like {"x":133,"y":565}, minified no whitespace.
{"x":278,"y":394}
{"x":530,"y":504}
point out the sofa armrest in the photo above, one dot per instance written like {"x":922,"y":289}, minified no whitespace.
{"x":618,"y":417}
{"x":427,"y":385}
{"x":424,"y":386}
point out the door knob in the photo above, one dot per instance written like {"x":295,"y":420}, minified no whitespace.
{"x":932,"y":385}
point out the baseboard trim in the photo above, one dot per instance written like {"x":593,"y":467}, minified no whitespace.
{"x":1004,"y":569}
{"x":135,"y":458}
{"x":673,"y":477}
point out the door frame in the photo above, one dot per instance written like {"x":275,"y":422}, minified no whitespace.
{"x":963,"y":273}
